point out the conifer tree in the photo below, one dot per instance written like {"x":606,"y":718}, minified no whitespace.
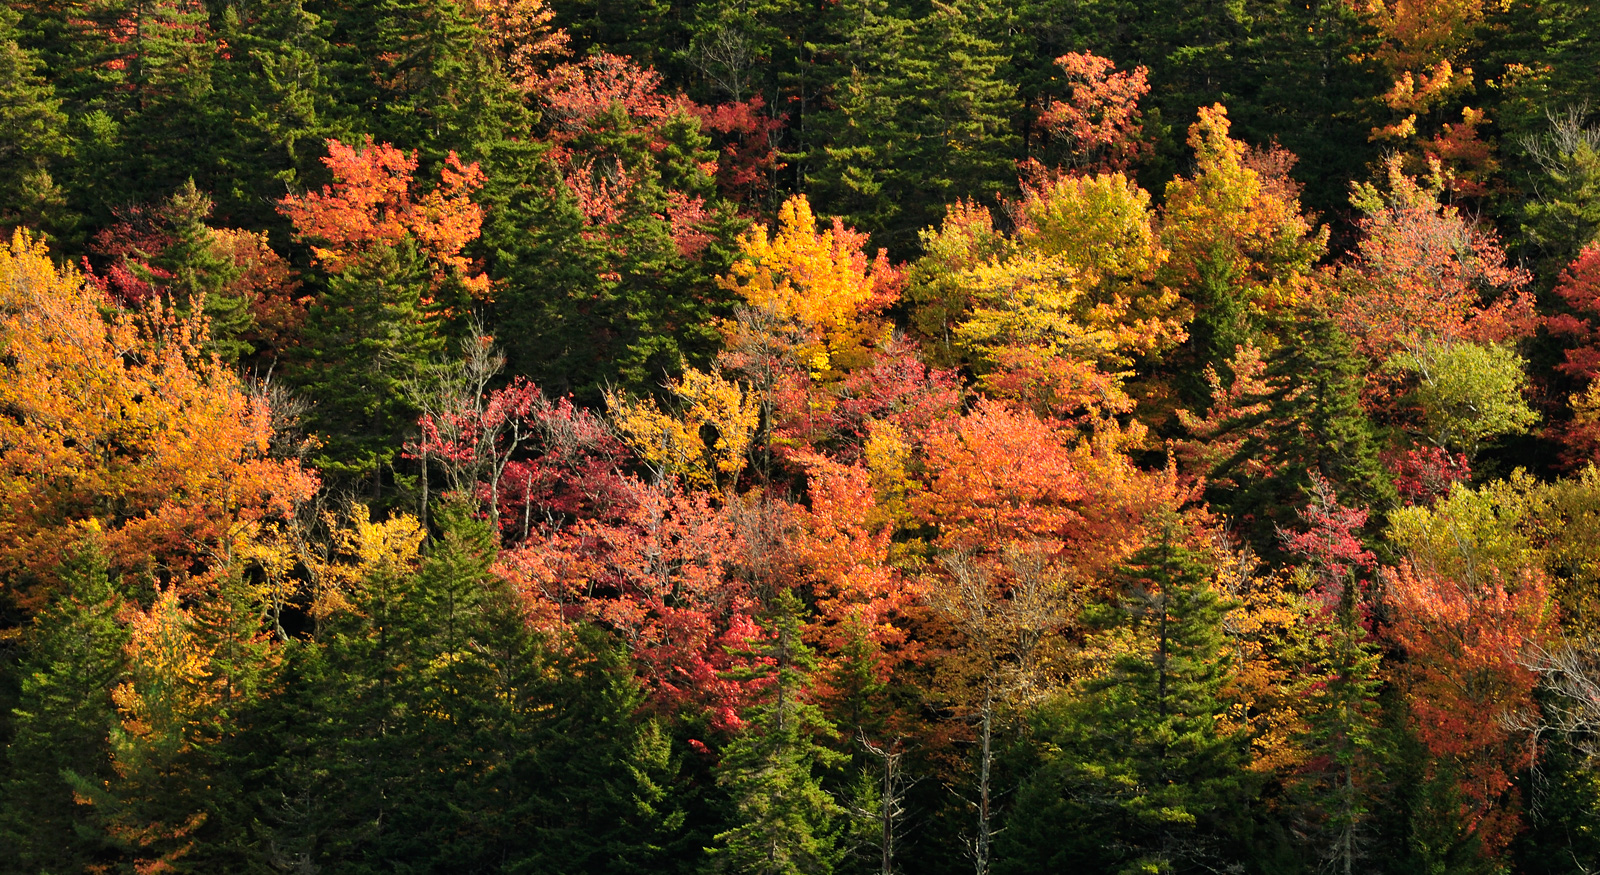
{"x":62,"y":722}
{"x":1145,"y":772}
{"x":921,"y":116}
{"x":273,"y":86}
{"x":434,"y":729}
{"x":33,"y":135}
{"x":367,"y":339}
{"x":195,"y":274}
{"x":784,"y":822}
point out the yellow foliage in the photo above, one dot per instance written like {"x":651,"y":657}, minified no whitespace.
{"x":887,"y":453}
{"x":168,"y":692}
{"x":1264,"y":627}
{"x":362,"y":552}
{"x":1230,"y":221}
{"x":673,"y":443}
{"x":121,"y":418}
{"x":821,"y":283}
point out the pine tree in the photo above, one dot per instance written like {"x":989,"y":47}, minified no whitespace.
{"x":784,"y":823}
{"x":65,"y":713}
{"x":1145,"y":774}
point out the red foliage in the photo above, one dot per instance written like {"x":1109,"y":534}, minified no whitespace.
{"x":1000,"y":478}
{"x":1465,"y":642}
{"x":1423,"y":273}
{"x":1100,"y":116}
{"x":748,"y":157}
{"x":1579,"y":287}
{"x":1422,"y":474}
{"x":895,"y":387}
{"x":665,"y":580}
{"x":373,"y":203}
{"x":577,"y":94}
{"x":1330,"y":543}
{"x":858,"y":592}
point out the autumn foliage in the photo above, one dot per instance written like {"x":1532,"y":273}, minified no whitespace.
{"x":145,"y":438}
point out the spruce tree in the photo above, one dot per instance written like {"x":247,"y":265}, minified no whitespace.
{"x":783,"y":822}
{"x":921,"y":115}
{"x":73,"y":660}
{"x":431,"y":730}
{"x":195,"y":275}
{"x":33,"y":135}
{"x":1144,"y":773}
{"x":368,"y":340}
{"x":1313,"y":423}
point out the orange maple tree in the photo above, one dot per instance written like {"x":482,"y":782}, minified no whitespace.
{"x":118,"y":422}
{"x":374,"y":202}
{"x":1422,"y":272}
{"x":1467,"y":639}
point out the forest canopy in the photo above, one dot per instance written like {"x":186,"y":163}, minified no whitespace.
{"x":603,"y":436}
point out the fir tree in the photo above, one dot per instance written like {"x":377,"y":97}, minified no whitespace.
{"x":195,"y":274}
{"x":921,"y":117}
{"x":784,"y":823}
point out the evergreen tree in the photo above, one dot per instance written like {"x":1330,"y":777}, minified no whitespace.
{"x":73,"y":660}
{"x":368,"y":340}
{"x":587,"y":302}
{"x":1311,"y":421}
{"x":33,"y":135}
{"x":435,"y":732}
{"x":1144,"y":773}
{"x":273,"y":86}
{"x":921,"y":116}
{"x":784,"y":823}
{"x":193,"y":272}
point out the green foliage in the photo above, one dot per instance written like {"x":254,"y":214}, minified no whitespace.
{"x":783,"y":822}
{"x":441,"y":734}
{"x":921,"y":115}
{"x":1469,"y":393}
{"x":1142,"y":771}
{"x":368,"y":340}
{"x":583,"y":305}
{"x":33,"y":136}
{"x":73,"y":659}
{"x":193,"y":272}
{"x":1564,"y":214}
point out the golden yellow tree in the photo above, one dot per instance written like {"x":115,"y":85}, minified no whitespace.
{"x":119,"y":417}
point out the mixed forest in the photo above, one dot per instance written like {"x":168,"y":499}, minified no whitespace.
{"x":800,"y":436}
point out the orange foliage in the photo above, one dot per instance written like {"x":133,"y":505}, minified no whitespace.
{"x":999,"y":478}
{"x":820,"y":285}
{"x":1230,"y":219}
{"x":116,"y":420}
{"x":372,"y":204}
{"x":1466,"y":641}
{"x":1101,"y":115}
{"x":843,"y":543}
{"x":1422,"y":273}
